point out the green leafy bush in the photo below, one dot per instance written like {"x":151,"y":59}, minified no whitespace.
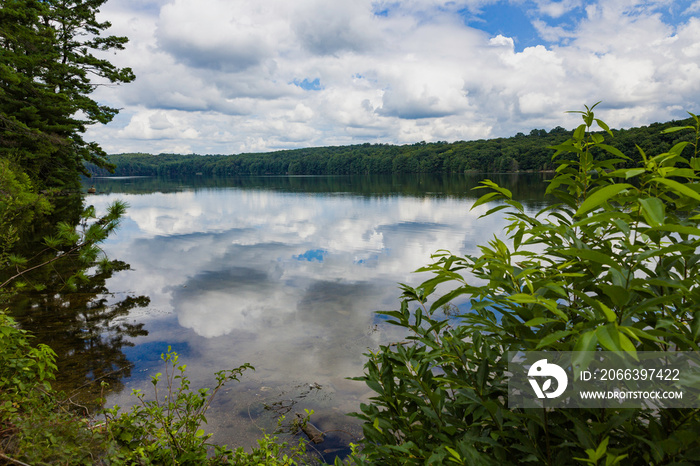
{"x":613,"y":266}
{"x":168,"y":429}
{"x":37,"y":428}
{"x":23,"y":367}
{"x":34,"y":425}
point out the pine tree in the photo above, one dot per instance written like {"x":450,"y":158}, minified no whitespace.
{"x":48,"y":69}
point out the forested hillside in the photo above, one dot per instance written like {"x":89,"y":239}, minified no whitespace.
{"x":518,"y":153}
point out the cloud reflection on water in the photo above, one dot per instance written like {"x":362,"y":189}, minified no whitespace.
{"x":288,"y":282}
{"x":227,"y":259}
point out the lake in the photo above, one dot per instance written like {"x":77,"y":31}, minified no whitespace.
{"x":284,"y":273}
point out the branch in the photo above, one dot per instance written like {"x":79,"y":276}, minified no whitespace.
{"x":12,"y":460}
{"x":50,"y":261}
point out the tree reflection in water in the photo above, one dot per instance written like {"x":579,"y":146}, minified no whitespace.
{"x":87,"y":327}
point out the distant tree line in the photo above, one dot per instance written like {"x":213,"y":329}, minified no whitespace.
{"x":502,"y":155}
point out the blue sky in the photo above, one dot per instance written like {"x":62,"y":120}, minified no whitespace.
{"x":507,"y":20}
{"x":231,"y":76}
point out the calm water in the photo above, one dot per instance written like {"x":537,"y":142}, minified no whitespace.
{"x":284,"y":273}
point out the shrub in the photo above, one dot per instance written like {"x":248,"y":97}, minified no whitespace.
{"x":612,"y":266}
{"x":34,"y":426}
{"x":168,"y":429}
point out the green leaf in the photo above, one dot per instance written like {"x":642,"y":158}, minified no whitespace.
{"x":600,"y":217}
{"x":609,"y":314}
{"x":678,"y":187}
{"x":600,"y":196}
{"x":628,"y":173}
{"x":586,"y":342}
{"x":602,"y":448}
{"x":591,"y":255}
{"x":609,"y":337}
{"x":682,"y":229}
{"x":447,"y":297}
{"x":486,"y":198}
{"x":540,"y":320}
{"x":603,"y":125}
{"x":490,"y":184}
{"x":454,"y":455}
{"x":619,"y":295}
{"x":679,"y":172}
{"x":653,"y":211}
{"x":518,"y":238}
{"x":676,"y":128}
{"x":523,"y":298}
{"x":627,"y":344}
{"x":642,"y":153}
{"x":482,"y":373}
{"x":553,"y":337}
{"x":493,"y":210}
{"x":636,"y":333}
{"x":695,"y":326}
{"x":613,"y":150}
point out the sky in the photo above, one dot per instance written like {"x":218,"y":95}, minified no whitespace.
{"x":233,"y":76}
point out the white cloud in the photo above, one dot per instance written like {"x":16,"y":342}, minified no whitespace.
{"x":328,"y":28}
{"x":502,"y":41}
{"x":693,"y":8}
{"x":556,"y":9}
{"x":160,"y":124}
{"x":220,"y":34}
{"x":552,"y":33}
{"x":226,"y":76}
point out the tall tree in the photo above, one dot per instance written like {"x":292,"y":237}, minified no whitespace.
{"x":48,"y":70}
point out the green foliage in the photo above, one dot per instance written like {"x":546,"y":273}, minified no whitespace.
{"x":23,"y":367}
{"x":613,"y":266}
{"x":501,"y":155}
{"x":270,"y":451}
{"x":168,"y":429}
{"x":34,"y":426}
{"x":79,"y":243}
{"x":47,"y":73}
{"x":20,"y":204}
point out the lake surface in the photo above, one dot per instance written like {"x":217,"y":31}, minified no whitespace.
{"x":284,"y":273}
